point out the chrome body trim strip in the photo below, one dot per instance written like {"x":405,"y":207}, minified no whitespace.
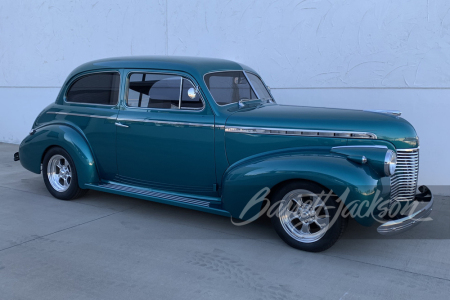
{"x":167,"y":122}
{"x":80,"y":115}
{"x":361,"y":146}
{"x":302,"y":132}
{"x":129,"y":120}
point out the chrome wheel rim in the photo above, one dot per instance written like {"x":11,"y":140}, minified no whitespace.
{"x":304,"y":216}
{"x":59,"y":173}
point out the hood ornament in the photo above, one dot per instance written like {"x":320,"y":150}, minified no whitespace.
{"x":389,"y":112}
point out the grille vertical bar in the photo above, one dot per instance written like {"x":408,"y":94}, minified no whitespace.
{"x":404,"y":180}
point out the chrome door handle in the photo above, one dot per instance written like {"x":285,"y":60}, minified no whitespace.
{"x":121,"y":125}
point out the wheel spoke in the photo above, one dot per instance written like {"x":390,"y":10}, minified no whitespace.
{"x":292,"y":216}
{"x":322,"y":222}
{"x":303,"y":199}
{"x":321,"y":212}
{"x":284,"y":208}
{"x":298,"y":202}
{"x":305,"y":229}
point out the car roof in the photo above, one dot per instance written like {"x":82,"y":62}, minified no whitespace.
{"x":196,"y":66}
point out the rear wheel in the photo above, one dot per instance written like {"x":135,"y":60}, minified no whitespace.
{"x":60,"y":175}
{"x":305,"y":218}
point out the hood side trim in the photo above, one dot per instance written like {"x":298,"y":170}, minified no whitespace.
{"x":302,"y":132}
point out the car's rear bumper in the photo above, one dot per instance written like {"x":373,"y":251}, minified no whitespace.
{"x":406,"y":223}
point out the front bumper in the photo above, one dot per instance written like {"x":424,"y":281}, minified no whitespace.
{"x":408,"y":222}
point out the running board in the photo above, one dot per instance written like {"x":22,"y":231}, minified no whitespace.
{"x":161,"y":197}
{"x":155,"y":194}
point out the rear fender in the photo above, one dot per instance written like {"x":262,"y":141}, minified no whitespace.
{"x":35,"y":145}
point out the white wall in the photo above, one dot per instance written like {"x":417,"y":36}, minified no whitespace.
{"x":359,"y":54}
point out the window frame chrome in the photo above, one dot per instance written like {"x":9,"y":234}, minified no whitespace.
{"x":78,"y":76}
{"x":127,"y":88}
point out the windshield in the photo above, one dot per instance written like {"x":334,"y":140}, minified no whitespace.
{"x":233,"y":86}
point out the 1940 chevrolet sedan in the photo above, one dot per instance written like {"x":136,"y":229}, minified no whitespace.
{"x":207,"y":134}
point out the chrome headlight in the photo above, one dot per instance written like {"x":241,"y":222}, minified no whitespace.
{"x":390,"y":163}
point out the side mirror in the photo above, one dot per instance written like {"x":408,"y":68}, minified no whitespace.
{"x":192,"y":93}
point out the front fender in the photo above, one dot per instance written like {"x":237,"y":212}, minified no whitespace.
{"x":34,"y":146}
{"x":245,"y":179}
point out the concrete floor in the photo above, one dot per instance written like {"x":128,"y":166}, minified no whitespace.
{"x":112,"y":247}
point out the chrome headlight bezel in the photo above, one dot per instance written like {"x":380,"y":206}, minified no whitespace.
{"x":390,"y":163}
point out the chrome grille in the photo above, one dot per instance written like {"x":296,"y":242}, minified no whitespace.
{"x":404,"y":180}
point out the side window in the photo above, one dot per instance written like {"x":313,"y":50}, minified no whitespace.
{"x":188,"y":100}
{"x":154,"y":91}
{"x":163,"y":91}
{"x":97,"y":88}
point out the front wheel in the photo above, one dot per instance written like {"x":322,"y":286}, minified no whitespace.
{"x":60,"y":175}
{"x":305,"y":218}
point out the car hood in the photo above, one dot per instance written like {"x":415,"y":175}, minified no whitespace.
{"x":387,"y":127}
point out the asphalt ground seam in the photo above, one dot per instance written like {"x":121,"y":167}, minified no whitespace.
{"x":67,"y":228}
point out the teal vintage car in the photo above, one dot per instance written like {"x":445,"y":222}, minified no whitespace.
{"x":207,"y":134}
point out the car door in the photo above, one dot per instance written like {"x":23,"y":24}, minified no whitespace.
{"x":165,"y":139}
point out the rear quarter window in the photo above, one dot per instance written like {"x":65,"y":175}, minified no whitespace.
{"x":99,"y":88}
